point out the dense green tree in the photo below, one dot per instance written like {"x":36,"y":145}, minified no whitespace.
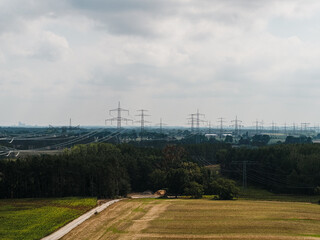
{"x":194,"y":189}
{"x":228,"y":139}
{"x":226,"y":189}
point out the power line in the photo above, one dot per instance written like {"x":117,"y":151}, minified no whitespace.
{"x":196,"y":120}
{"x":285,"y":128}
{"x":236,"y":125}
{"x":118,"y":118}
{"x":304,"y":127}
{"x":244,"y":171}
{"x":257,"y":126}
{"x":221,"y":121}
{"x":161,"y":124}
{"x":294,"y":128}
{"x":261,"y":126}
{"x":142,"y":120}
{"x":273,"y":129}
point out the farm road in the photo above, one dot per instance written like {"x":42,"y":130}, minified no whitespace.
{"x":67,"y":228}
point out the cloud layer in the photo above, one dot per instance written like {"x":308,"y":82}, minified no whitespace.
{"x":255,"y":59}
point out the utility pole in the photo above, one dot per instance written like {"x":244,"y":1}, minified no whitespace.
{"x":304,"y":126}
{"x":294,"y":128}
{"x":244,"y":174}
{"x":285,"y":128}
{"x":118,"y":118}
{"x":192,"y":121}
{"x":196,"y":120}
{"x":236,"y":126}
{"x":161,"y":124}
{"x":221,"y":121}
{"x":261,"y":126}
{"x":244,"y":171}
{"x":257,"y":126}
{"x":142,"y":120}
{"x":273,"y":127}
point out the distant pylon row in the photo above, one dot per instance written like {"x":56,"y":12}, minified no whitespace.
{"x":119,"y":119}
{"x":197,"y":119}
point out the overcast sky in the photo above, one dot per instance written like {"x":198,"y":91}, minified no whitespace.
{"x":257,"y":59}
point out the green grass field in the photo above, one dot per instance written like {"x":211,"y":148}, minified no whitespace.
{"x":260,"y":194}
{"x":36,"y":218}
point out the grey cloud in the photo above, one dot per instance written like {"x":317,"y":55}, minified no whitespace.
{"x":120,"y":5}
{"x":120,"y":78}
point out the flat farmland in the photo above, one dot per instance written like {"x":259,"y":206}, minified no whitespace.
{"x":36,"y":218}
{"x":202,"y":219}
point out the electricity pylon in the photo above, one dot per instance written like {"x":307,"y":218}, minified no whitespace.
{"x":118,"y":118}
{"x":161,"y":124}
{"x":142,"y":120}
{"x":236,"y":125}
{"x":221,"y":121}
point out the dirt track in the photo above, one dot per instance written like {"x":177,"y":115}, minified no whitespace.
{"x":123,"y":220}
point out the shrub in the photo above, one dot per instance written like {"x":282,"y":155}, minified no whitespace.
{"x":194,"y":189}
{"x":226,"y":189}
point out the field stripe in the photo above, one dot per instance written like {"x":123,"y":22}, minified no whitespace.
{"x":148,"y":236}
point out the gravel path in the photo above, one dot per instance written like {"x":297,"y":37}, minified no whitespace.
{"x":67,"y":228}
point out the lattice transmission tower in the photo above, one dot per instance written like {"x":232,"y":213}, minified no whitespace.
{"x":142,"y":120}
{"x":118,"y":118}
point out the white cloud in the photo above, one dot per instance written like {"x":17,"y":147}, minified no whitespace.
{"x":79,"y":57}
{"x":50,"y":47}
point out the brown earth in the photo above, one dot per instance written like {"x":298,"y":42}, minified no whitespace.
{"x":122,"y":220}
{"x":202,"y":219}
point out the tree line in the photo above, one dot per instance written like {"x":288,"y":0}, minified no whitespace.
{"x":107,"y":171}
{"x":284,"y":168}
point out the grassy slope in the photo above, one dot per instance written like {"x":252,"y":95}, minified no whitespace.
{"x":36,"y":218}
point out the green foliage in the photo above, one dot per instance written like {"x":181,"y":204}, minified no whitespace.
{"x":173,"y":156}
{"x":36,"y":218}
{"x":301,"y":139}
{"x":177,"y":179}
{"x":84,"y":170}
{"x":194,"y":189}
{"x":228,"y":139}
{"x":158,"y":179}
{"x":253,"y":193}
{"x":107,"y":171}
{"x":260,"y":140}
{"x":226,"y":189}
{"x":286,"y":168}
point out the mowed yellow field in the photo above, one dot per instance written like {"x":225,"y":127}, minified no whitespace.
{"x":202,"y":219}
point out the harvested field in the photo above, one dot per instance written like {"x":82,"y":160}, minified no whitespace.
{"x":202,"y":219}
